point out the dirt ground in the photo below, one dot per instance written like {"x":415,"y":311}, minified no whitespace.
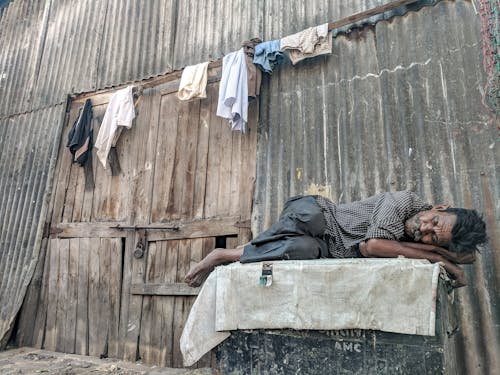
{"x":35,"y":361}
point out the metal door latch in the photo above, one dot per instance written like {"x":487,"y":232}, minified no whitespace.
{"x":266,"y":279}
{"x":140,"y":246}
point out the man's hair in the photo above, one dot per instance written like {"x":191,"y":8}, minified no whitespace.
{"x":468,"y":232}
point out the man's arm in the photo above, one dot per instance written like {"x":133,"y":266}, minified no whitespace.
{"x":381,"y":248}
{"x":457,"y":258}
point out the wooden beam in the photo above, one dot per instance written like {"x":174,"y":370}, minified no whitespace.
{"x":368,"y":13}
{"x":174,"y":289}
{"x":228,"y":226}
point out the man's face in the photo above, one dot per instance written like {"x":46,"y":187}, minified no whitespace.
{"x":431,"y":227}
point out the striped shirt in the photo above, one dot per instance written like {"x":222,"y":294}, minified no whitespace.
{"x":381,"y":216}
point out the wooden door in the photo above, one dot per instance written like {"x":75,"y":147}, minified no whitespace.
{"x":201,"y":180}
{"x":117,"y":253}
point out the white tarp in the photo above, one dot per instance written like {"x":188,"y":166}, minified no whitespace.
{"x":393,"y":295}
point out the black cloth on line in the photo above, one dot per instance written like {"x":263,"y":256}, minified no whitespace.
{"x":80,"y":137}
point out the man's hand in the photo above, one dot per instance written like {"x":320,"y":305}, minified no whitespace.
{"x":457,"y":258}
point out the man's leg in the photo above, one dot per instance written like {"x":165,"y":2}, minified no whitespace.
{"x":199,"y":273}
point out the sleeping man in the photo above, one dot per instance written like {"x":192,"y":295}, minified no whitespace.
{"x":386,"y":225}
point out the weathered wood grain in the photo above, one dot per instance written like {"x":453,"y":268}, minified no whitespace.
{"x":62,"y":295}
{"x":94,"y":314}
{"x":134,"y":311}
{"x":182,"y":305}
{"x":200,"y":173}
{"x":165,"y":157}
{"x":72,"y":296}
{"x":82,"y":329}
{"x":115,"y":283}
{"x":51,"y":328}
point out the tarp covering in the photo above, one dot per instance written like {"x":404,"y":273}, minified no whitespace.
{"x":393,"y":295}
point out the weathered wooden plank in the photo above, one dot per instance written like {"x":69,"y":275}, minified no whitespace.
{"x":214,"y":160}
{"x":224,"y":148}
{"x":62,"y":295}
{"x":82,"y":329}
{"x":63,"y":172}
{"x":176,"y":289}
{"x":248,"y":171}
{"x":94,"y":315}
{"x":182,"y":304}
{"x":134,"y":311}
{"x":79,"y":193}
{"x":165,"y":157}
{"x":180,"y":167}
{"x":104,"y":296}
{"x":202,"y":228}
{"x":148,"y":319}
{"x":115,"y":282}
{"x":168,"y":303}
{"x":42,"y":306}
{"x":145,"y":151}
{"x":69,"y":201}
{"x":202,"y":153}
{"x":237,"y":168}
{"x":88,"y":229}
{"x":51,"y":328}
{"x":125,"y":296}
{"x":72,"y":296}
{"x":189,"y":155}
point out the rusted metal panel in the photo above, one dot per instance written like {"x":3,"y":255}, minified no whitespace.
{"x":29,"y":149}
{"x":396,"y":106}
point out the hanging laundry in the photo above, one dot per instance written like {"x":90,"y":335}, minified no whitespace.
{"x":120,"y":112}
{"x":310,"y":42}
{"x":80,"y":135}
{"x":233,"y":91}
{"x":268,"y":55}
{"x":193,"y":82}
{"x":254,"y":74}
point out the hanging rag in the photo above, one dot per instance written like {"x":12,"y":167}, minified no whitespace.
{"x":310,"y":42}
{"x":120,"y":113}
{"x":193,"y":82}
{"x":233,"y":91}
{"x":268,"y":55}
{"x":80,"y":135}
{"x":254,"y":74}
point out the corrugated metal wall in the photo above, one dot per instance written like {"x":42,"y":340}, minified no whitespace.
{"x":396,"y":106}
{"x":29,"y":144}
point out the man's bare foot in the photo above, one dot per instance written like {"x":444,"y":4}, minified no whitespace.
{"x":199,"y":273}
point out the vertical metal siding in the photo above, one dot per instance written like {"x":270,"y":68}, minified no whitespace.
{"x":209,"y":31}
{"x":137,"y":41}
{"x":396,"y":106}
{"x":29,"y":144}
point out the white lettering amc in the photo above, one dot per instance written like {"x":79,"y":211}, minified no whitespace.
{"x":348,"y":347}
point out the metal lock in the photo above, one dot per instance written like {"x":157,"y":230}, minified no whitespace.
{"x":139,"y":250}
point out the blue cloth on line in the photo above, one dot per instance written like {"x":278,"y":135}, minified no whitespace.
{"x":268,"y":55}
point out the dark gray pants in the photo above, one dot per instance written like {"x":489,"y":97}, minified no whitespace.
{"x":298,"y":234}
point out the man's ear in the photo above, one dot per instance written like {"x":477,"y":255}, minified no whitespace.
{"x":442,"y":206}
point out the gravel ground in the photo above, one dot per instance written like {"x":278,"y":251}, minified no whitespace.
{"x":35,"y":361}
